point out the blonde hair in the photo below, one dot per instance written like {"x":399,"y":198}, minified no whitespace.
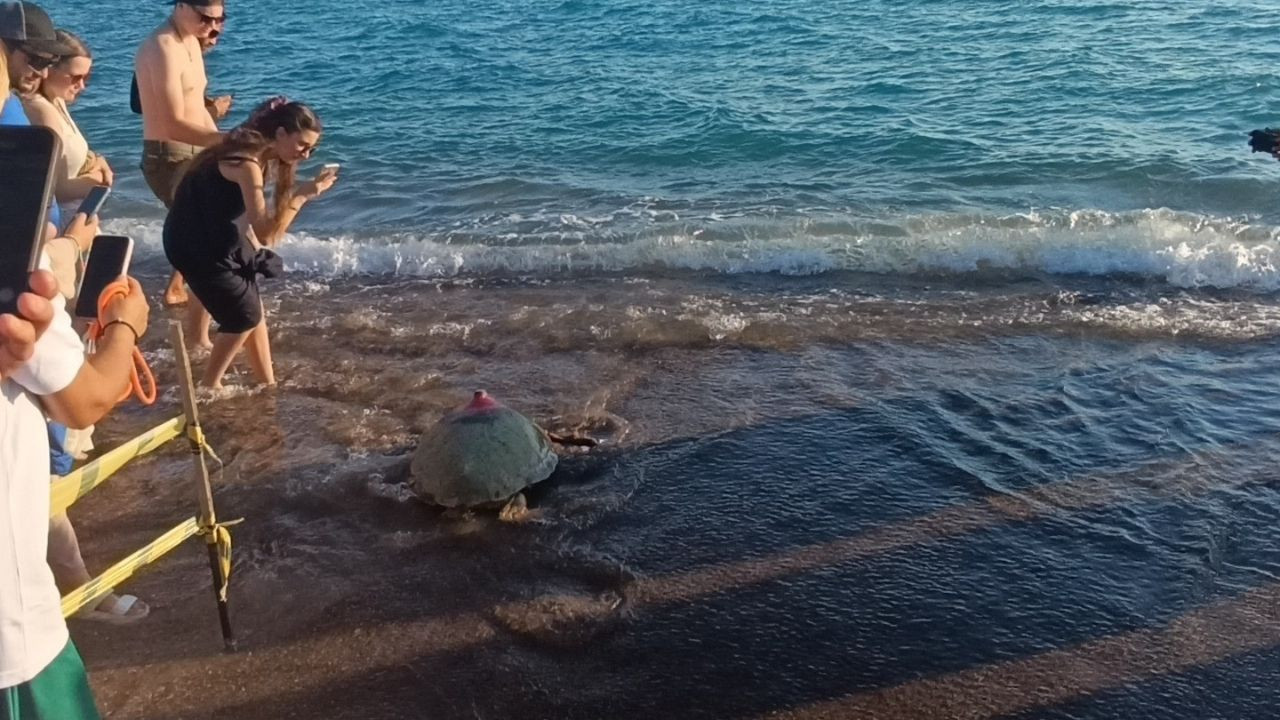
{"x":4,"y":75}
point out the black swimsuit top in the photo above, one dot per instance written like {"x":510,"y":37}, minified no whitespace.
{"x":201,"y":223}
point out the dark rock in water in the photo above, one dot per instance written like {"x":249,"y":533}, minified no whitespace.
{"x":481,"y":455}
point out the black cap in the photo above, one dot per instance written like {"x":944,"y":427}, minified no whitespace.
{"x":26,"y":23}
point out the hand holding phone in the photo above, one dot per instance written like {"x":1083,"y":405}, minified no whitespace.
{"x":83,"y":229}
{"x":18,"y":335}
{"x":131,"y":309}
{"x":220,"y":106}
{"x":108,"y":263}
{"x":93,"y":202}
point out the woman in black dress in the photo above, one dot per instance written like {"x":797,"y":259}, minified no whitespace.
{"x":203,"y":241}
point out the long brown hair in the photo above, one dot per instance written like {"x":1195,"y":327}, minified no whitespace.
{"x":250,"y":139}
{"x":75,"y":42}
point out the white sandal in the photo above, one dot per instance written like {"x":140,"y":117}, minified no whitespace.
{"x":126,"y":610}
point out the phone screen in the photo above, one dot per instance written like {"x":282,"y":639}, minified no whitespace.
{"x":108,"y":262}
{"x":27,"y":156}
{"x":93,"y":202}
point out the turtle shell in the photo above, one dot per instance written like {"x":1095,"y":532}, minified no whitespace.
{"x":480,"y":455}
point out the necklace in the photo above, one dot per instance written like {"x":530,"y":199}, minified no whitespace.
{"x":182,"y":39}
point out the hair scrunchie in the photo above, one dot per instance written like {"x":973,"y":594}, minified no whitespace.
{"x":265,"y":109}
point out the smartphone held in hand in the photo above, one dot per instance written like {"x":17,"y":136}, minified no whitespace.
{"x":93,"y":202}
{"x":108,"y":263}
{"x":27,"y":155}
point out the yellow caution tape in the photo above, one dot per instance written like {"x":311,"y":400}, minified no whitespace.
{"x":100,"y":586}
{"x":200,"y":443}
{"x":219,"y":535}
{"x":196,"y":435}
{"x":65,"y":491}
{"x":70,"y":488}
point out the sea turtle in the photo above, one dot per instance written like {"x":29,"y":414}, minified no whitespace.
{"x":483,"y":456}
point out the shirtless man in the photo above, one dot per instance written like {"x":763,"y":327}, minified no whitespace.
{"x":176,"y":126}
{"x":218,"y":107}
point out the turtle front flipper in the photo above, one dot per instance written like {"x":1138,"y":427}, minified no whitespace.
{"x":516,"y":510}
{"x":572,"y":440}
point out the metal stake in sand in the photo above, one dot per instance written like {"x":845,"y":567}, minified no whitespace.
{"x":214,"y":535}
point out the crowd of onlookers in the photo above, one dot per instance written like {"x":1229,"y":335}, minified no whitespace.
{"x":219,"y":234}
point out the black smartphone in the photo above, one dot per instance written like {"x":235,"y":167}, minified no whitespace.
{"x":27,"y":156}
{"x":108,"y":262}
{"x":93,"y":202}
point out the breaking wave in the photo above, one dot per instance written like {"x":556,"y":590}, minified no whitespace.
{"x":1183,"y":249}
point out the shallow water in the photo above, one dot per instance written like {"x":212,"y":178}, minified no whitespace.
{"x":1063,"y":519}
{"x":930,"y":345}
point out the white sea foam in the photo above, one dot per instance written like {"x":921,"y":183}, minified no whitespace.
{"x":1184,"y":249}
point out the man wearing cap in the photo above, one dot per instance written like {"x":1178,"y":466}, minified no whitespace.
{"x":176,"y":126}
{"x":30,"y":48}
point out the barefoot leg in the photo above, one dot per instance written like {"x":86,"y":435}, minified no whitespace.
{"x":259,"y":351}
{"x":197,"y":325}
{"x":224,"y":351}
{"x":176,"y":293}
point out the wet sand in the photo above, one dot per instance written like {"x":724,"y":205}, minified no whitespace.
{"x":346,"y":602}
{"x":348,"y":599}
{"x":777,"y":522}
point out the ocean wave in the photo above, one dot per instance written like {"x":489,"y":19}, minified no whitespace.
{"x":1183,"y":249}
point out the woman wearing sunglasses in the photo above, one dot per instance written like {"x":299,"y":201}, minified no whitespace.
{"x":79,"y":169}
{"x":204,"y":242}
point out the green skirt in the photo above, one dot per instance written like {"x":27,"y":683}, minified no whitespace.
{"x":59,"y":692}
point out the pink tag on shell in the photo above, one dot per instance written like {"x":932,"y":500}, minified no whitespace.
{"x":481,"y":401}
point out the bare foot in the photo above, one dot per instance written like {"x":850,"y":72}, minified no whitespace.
{"x":175,"y":297}
{"x":176,"y":291}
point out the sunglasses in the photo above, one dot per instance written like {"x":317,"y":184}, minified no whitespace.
{"x":37,"y":61}
{"x":210,"y":19}
{"x":80,"y":78}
